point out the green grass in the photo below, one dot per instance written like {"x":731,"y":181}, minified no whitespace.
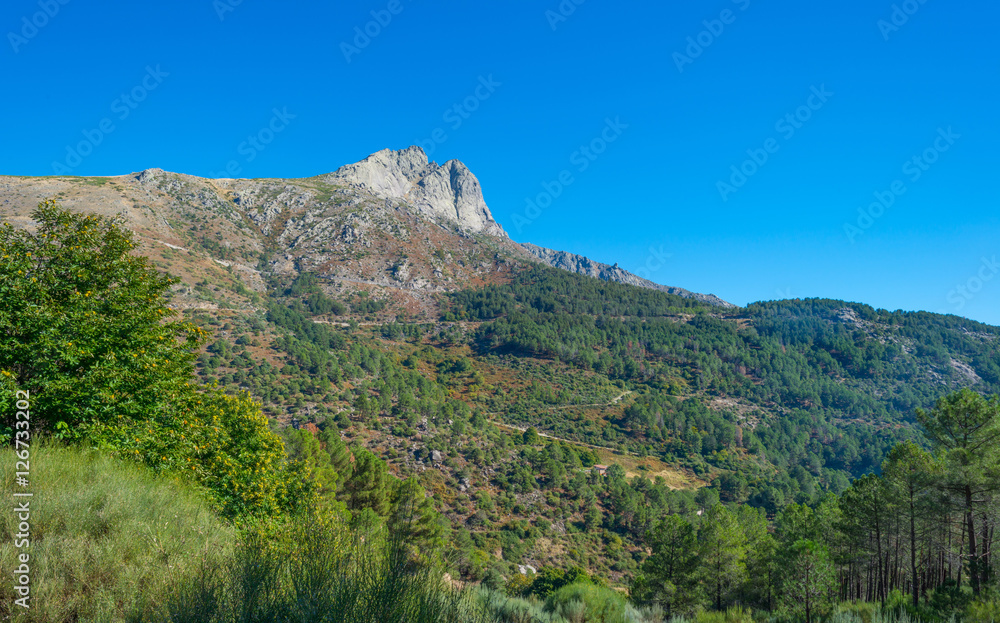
{"x":317,"y":570}
{"x":106,"y":536}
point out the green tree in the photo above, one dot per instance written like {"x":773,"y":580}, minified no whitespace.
{"x":83,"y":324}
{"x":531,"y":437}
{"x":866,"y":515}
{"x":367,"y":486}
{"x":724,"y":551}
{"x":303,"y":446}
{"x":340,"y":456}
{"x":84,"y":327}
{"x":413,"y":517}
{"x":592,"y":518}
{"x":909,"y":473}
{"x":965,"y":429}
{"x":669,"y":576}
{"x":809,"y":580}
{"x":763,"y":573}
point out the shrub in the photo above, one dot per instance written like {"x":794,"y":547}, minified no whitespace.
{"x":584,"y":603}
{"x":223,"y":443}
{"x":315,"y":568}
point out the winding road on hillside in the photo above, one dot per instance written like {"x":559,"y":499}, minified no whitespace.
{"x":611,"y":402}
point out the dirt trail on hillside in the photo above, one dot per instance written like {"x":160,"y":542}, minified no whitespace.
{"x":611,"y":402}
{"x":548,"y":436}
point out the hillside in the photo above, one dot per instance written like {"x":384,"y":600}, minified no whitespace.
{"x":384,"y":302}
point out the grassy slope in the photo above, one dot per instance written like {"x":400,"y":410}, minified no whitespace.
{"x":107,"y":538}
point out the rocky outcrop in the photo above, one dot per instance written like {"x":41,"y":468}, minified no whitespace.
{"x":606,"y":272}
{"x":449,"y":191}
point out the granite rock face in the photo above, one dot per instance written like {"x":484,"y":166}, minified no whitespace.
{"x":449,"y":191}
{"x":606,"y":272}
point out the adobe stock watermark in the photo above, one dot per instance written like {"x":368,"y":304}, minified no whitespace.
{"x":122,"y":106}
{"x":22,"y":498}
{"x":257,"y":142}
{"x":714,"y":28}
{"x":581,"y":160}
{"x":225,"y":6}
{"x":913,"y":169}
{"x":456,"y":114}
{"x":787,"y":127}
{"x":562,"y":12}
{"x":963,"y":293}
{"x":363,"y":35}
{"x":655,"y":260}
{"x":31,"y":26}
{"x":900,"y":16}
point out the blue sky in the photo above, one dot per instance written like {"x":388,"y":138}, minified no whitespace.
{"x":755,"y":150}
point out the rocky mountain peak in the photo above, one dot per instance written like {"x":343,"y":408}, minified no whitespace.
{"x":449,"y":191}
{"x":585,"y":266}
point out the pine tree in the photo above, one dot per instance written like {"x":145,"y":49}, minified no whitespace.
{"x":965,"y":428}
{"x":763,"y":581}
{"x":366,"y":488}
{"x":340,"y":456}
{"x":414,"y":518}
{"x":301,"y":445}
{"x":866,"y":515}
{"x":669,"y":576}
{"x":909,"y":475}
{"x":724,"y":551}
{"x":810,"y":580}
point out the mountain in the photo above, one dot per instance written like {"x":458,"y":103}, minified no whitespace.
{"x":448,"y":191}
{"x":586,"y":266}
{"x":394,"y":224}
{"x":384,"y":302}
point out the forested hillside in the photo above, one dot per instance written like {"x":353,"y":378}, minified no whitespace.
{"x":541,"y":433}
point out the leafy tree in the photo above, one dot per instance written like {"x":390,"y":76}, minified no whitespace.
{"x":84,"y":327}
{"x":83,"y":324}
{"x":518,"y":585}
{"x":551,"y":579}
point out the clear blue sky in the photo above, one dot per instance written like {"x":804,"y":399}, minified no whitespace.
{"x":893,"y":92}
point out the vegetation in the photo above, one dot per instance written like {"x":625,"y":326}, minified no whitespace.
{"x":923,"y":528}
{"x":555,"y":448}
{"x":108,"y":537}
{"x":84,"y":330}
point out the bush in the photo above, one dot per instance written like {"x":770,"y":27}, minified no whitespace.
{"x":221,"y":442}
{"x":106,"y":537}
{"x":315,"y":568}
{"x":988,"y":611}
{"x":583,"y":603}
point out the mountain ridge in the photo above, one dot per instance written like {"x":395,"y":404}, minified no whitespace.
{"x":392,"y":220}
{"x":583,"y":265}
